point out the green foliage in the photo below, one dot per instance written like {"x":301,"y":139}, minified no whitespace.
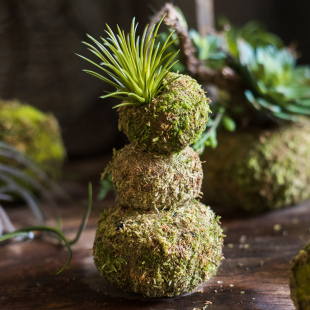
{"x":209,"y":49}
{"x":252,"y":32}
{"x":135,"y":68}
{"x":275,"y":84}
{"x":15,"y":183}
{"x":106,"y":186}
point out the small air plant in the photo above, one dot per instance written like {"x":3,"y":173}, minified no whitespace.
{"x":161,"y":112}
{"x":16,"y":183}
{"x":134,"y":68}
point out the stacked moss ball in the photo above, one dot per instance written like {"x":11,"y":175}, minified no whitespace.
{"x":160,"y":241}
{"x":162,"y":127}
{"x":162,"y":180}
{"x":300,"y":279}
{"x":158,"y":253}
{"x":33,"y":132}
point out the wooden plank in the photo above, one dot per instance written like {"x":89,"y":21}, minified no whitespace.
{"x":205,"y":16}
{"x":254,"y":274}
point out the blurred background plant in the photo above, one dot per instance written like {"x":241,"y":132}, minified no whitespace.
{"x":35,"y":142}
{"x":251,"y":77}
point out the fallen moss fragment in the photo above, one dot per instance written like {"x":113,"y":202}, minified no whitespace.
{"x":158,"y":253}
{"x":155,"y":181}
{"x":171,"y":121}
{"x":300,"y":279}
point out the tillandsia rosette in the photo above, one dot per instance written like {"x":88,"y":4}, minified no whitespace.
{"x":159,"y":241}
{"x":156,"y":253}
{"x":300,"y":279}
{"x":161,"y":112}
{"x":155,"y":181}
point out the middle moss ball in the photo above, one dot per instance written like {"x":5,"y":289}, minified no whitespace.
{"x":155,"y":181}
{"x":171,"y":121}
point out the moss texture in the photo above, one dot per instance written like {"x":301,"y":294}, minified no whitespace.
{"x":34,"y":133}
{"x":155,"y":181}
{"x":300,"y":279}
{"x":259,"y":170}
{"x":158,"y":253}
{"x":171,"y":121}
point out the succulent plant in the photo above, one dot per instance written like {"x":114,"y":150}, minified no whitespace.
{"x":275,"y":84}
{"x":265,"y":84}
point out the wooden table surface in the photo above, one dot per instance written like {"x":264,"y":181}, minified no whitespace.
{"x":254,"y":274}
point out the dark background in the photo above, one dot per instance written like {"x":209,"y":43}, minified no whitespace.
{"x":38,"y":39}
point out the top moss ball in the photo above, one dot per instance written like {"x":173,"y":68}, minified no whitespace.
{"x":171,"y":121}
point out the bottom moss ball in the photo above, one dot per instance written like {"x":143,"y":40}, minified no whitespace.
{"x":158,"y":253}
{"x":259,"y":170}
{"x":300,"y":279}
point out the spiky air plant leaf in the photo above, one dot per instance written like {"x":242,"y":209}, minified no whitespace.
{"x":136,"y":68}
{"x":15,"y":183}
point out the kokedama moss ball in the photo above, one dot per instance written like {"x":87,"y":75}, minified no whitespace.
{"x":300,"y":279}
{"x":149,"y":180}
{"x":171,"y":121}
{"x":158,"y":253}
{"x":259,"y":170}
{"x":33,"y":132}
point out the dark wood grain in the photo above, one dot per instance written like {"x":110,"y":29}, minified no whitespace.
{"x":254,"y":274}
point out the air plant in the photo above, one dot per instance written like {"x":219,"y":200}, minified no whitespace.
{"x":134,"y":68}
{"x":161,"y":111}
{"x":15,"y":183}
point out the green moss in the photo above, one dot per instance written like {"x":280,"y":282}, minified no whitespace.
{"x":300,"y":279}
{"x":259,"y":170}
{"x":158,"y":253}
{"x":171,"y":121}
{"x":155,"y":181}
{"x":34,"y":133}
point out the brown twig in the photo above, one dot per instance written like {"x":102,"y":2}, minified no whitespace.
{"x":225,"y":78}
